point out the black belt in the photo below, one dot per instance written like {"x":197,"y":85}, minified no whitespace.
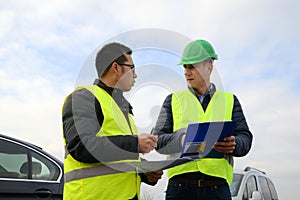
{"x":200,"y":182}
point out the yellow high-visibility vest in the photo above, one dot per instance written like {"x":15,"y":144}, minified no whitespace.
{"x":102,"y":181}
{"x":186,"y":108}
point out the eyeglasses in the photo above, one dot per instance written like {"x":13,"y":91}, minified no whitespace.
{"x":128,"y":65}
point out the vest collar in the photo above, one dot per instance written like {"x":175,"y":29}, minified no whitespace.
{"x":117,"y":95}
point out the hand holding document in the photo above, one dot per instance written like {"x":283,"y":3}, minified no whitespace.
{"x":198,"y":143}
{"x":200,"y":138}
{"x":227,"y":146}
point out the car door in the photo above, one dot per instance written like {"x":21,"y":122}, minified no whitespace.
{"x":26,"y":173}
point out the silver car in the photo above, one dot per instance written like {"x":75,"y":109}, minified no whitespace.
{"x":252,"y":184}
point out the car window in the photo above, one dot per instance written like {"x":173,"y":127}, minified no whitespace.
{"x":19,"y":162}
{"x":235,"y":185}
{"x":48,"y":170}
{"x":272,"y":189}
{"x":251,"y":185}
{"x":265,"y":188}
{"x":12,"y":156}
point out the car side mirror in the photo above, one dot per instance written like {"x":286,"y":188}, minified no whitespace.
{"x":256,"y":195}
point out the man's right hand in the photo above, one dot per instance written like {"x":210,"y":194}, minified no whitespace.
{"x":147,"y":142}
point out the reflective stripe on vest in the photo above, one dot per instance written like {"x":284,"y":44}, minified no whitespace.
{"x":100,"y":171}
{"x":114,"y":180}
{"x":186,"y":108}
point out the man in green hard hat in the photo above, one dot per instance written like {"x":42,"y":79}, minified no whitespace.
{"x":207,"y":178}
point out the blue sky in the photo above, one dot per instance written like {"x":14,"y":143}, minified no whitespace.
{"x":46,"y":47}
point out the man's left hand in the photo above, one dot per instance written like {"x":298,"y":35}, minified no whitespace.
{"x":228,"y":146}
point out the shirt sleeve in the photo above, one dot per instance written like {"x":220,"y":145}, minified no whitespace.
{"x":243,"y":136}
{"x":169,"y":142}
{"x":82,"y":119}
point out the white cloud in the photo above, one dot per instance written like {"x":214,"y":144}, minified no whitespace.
{"x":31,"y":110}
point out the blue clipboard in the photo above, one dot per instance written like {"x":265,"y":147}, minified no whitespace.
{"x":200,"y":138}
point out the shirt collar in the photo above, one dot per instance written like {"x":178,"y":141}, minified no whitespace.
{"x":211,"y":90}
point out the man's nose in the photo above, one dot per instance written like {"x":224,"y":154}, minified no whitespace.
{"x":187,"y":71}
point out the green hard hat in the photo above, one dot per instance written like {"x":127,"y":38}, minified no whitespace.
{"x":197,"y":51}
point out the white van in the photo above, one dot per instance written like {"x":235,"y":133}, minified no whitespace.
{"x":252,"y":184}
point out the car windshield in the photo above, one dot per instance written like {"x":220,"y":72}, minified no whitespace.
{"x":236,"y":182}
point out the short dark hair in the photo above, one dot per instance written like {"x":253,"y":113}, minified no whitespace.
{"x":112,"y":52}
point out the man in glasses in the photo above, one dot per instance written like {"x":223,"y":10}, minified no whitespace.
{"x":100,"y":134}
{"x":208,"y":178}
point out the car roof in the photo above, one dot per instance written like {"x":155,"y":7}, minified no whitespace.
{"x":21,"y":141}
{"x":250,"y":170}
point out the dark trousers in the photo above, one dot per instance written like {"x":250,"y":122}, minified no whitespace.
{"x":180,"y":191}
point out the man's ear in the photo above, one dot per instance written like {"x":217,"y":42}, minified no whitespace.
{"x":115,"y":68}
{"x":211,"y":67}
